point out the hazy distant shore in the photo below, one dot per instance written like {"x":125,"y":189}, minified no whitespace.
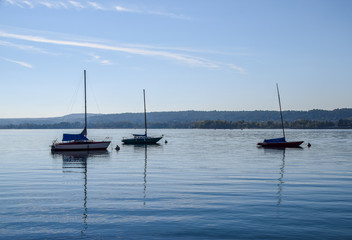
{"x":313,"y":119}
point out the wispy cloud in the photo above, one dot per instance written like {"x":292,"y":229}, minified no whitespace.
{"x":28,"y":3}
{"x":67,"y":4}
{"x":237,"y":68}
{"x":15,"y":3}
{"x":24,"y":47}
{"x":192,"y":50}
{"x":124,"y":9}
{"x":181,"y":57}
{"x":76,"y":4}
{"x":24,"y":64}
{"x":100,"y":60}
{"x":138,"y":51}
{"x":96,"y":5}
{"x":52,"y":4}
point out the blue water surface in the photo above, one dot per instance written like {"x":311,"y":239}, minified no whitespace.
{"x":202,"y":184}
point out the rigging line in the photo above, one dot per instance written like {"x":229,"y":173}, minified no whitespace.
{"x":72,"y":100}
{"x":74,"y":96}
{"x":91,"y":87}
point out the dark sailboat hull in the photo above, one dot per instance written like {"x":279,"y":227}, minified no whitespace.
{"x":84,"y":145}
{"x":141,"y":140}
{"x":280,"y":144}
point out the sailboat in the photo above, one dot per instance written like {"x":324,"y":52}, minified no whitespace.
{"x":72,"y":142}
{"x":279,"y":142}
{"x":142,"y":138}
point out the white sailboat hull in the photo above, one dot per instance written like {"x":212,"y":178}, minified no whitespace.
{"x":74,"y":142}
{"x":85,"y":145}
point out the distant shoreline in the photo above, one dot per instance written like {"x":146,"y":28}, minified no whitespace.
{"x":313,"y":119}
{"x":206,"y":124}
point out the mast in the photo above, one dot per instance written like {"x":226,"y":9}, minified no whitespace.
{"x":145,"y":114}
{"x":282,"y":121}
{"x":85,"y":105}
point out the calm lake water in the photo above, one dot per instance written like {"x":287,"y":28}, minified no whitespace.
{"x":202,"y":184}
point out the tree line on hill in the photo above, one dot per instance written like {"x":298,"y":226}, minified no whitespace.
{"x":206,"y":124}
{"x":299,"y":124}
{"x":313,"y":119}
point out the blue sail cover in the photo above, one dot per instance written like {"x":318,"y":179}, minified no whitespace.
{"x":73,"y":137}
{"x":275,"y":140}
{"x":84,"y":132}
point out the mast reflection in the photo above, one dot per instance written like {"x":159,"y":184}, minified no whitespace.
{"x":139,"y":148}
{"x":280,"y":179}
{"x":145,"y":172}
{"x":282,"y":168}
{"x":74,"y":160}
{"x":279,"y":151}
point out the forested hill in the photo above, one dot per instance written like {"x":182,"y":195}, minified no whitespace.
{"x":249,"y":116}
{"x":181,"y":119}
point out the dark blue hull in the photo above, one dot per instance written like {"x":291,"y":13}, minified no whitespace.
{"x":141,"y":140}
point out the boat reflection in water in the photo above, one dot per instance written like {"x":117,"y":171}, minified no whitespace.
{"x":77,"y":162}
{"x":281,"y":177}
{"x":280,"y":152}
{"x":140,"y":148}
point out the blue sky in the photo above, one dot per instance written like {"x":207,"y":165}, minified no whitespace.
{"x":187,"y":54}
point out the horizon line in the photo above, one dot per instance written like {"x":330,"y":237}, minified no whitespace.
{"x":315,"y":109}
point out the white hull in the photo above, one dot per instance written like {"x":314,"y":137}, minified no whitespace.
{"x":80,"y":146}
